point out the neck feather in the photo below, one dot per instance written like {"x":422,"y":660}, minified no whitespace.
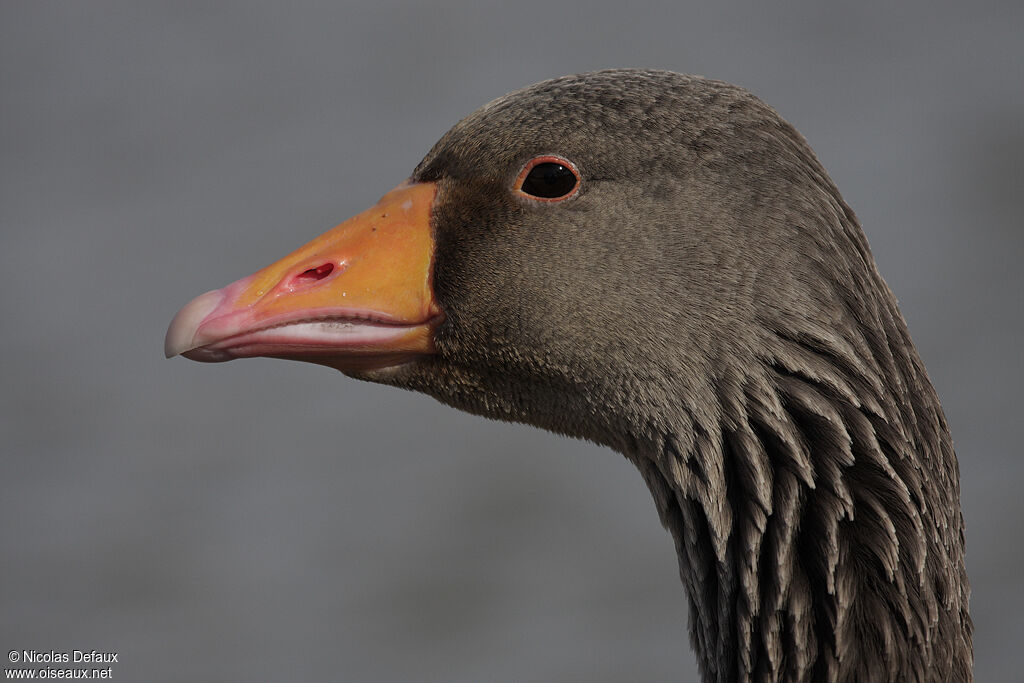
{"x":816,"y":516}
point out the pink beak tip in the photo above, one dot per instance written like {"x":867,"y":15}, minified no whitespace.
{"x":181,"y":333}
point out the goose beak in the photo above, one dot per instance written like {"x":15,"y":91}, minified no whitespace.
{"x":357,"y":297}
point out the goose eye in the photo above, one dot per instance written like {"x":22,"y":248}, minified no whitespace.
{"x":548,"y":179}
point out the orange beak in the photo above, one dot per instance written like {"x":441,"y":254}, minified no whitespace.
{"x":357,"y":297}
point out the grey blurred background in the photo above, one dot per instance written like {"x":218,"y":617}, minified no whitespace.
{"x":263,"y":520}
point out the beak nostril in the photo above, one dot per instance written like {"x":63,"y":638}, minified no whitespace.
{"x":315,"y":274}
{"x":311,"y":276}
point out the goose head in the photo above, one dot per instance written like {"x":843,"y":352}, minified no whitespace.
{"x":659,"y":263}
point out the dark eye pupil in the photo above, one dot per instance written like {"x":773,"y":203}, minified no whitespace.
{"x":549,"y":180}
